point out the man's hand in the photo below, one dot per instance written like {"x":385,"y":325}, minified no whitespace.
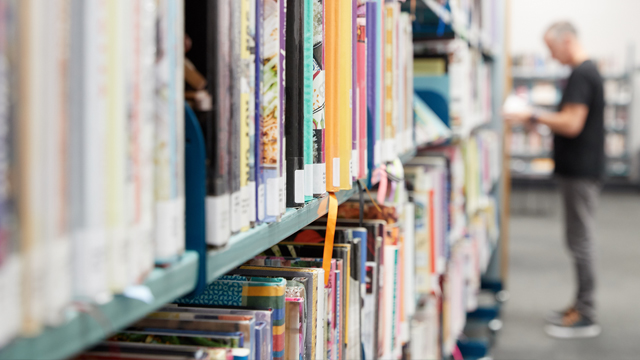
{"x":518,"y":118}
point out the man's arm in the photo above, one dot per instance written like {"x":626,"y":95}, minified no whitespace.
{"x":568,"y":122}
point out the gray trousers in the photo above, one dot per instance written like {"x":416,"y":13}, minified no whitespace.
{"x":580,"y":197}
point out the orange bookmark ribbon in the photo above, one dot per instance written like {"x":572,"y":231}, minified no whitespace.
{"x":328,"y":240}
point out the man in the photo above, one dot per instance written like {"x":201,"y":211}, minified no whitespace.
{"x":578,"y":128}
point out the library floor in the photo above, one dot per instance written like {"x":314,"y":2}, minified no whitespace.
{"x":541,"y":279}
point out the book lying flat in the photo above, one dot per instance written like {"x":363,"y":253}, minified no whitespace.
{"x":250,"y":293}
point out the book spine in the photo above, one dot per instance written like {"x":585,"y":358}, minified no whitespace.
{"x":282,"y":176}
{"x":389,"y":128}
{"x":248,"y":113}
{"x":362,"y":88}
{"x":10,"y":256}
{"x":319,"y":166}
{"x":347,"y":98}
{"x":380,"y":82}
{"x":29,"y":147}
{"x":308,"y":98}
{"x":169,"y":224}
{"x":259,"y":91}
{"x":147,"y":129}
{"x":354,"y":100}
{"x":55,"y":229}
{"x":294,"y":111}
{"x":372,"y":43}
{"x":217,"y":131}
{"x":236,"y":117}
{"x":271,"y":104}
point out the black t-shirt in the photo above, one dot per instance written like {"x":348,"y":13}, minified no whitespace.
{"x":583,"y":156}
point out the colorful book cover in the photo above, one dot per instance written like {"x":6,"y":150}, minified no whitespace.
{"x":311,"y":294}
{"x":339,"y":83}
{"x":169,"y":149}
{"x":372,"y":90}
{"x":322,"y":303}
{"x":307,"y":243}
{"x":361,"y":78}
{"x":295,"y":104}
{"x":259,"y":194}
{"x":319,"y":165}
{"x":271,"y":108}
{"x":247,"y":113}
{"x":308,"y":98}
{"x":234,"y":135}
{"x":251,"y":293}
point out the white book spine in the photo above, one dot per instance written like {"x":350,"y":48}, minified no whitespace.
{"x":90,"y":240}
{"x":147,"y":133}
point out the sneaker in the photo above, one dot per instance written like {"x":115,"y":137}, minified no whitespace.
{"x":573,"y":326}
{"x":555,"y":317}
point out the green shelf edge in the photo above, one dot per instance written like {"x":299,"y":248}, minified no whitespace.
{"x":83,"y":331}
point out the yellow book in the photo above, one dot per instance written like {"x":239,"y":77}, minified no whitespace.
{"x":338,"y":102}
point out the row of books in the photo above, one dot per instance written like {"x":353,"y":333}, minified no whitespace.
{"x":395,"y":284}
{"x":462,"y":75}
{"x":91,"y":149}
{"x":295,"y":98}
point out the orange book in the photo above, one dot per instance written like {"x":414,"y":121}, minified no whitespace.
{"x":338,"y":85}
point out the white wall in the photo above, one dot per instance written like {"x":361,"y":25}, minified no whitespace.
{"x":605,"y":27}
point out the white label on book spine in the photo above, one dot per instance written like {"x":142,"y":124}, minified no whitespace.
{"x":319,"y":178}
{"x":244,"y":207}
{"x":282,"y":188}
{"x":252,"y":201}
{"x":273,"y":199}
{"x":236,"y":212}
{"x":355,"y":164}
{"x":261,"y":200}
{"x":217,"y":223}
{"x":298,"y":194}
{"x":308,"y":179}
{"x":336,"y":172}
{"x":377,"y":153}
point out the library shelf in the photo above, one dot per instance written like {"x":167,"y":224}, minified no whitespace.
{"x":246,"y":245}
{"x":89,"y":328}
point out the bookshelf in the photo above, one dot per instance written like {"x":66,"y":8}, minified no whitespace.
{"x":90,"y":327}
{"x":528,"y":149}
{"x":200,"y":265}
{"x":167,"y":285}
